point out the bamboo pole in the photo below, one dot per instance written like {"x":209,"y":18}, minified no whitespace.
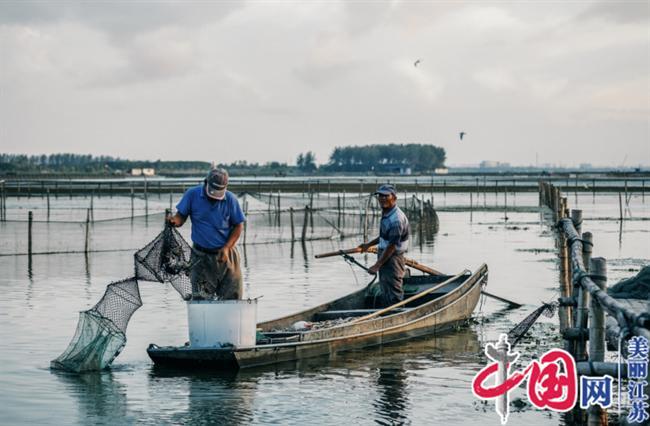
{"x":293,"y":229}
{"x":471,"y":206}
{"x":593,"y":190}
{"x":564,"y":312}
{"x":48,"y":204}
{"x":365,"y":221}
{"x":338,"y":209}
{"x":598,"y":268}
{"x":582,"y":310}
{"x":87,"y":236}
{"x":92,"y":208}
{"x":30,"y":219}
{"x":305,"y":222}
{"x":311,"y":211}
{"x":245,"y":231}
{"x":132,"y":195}
{"x":620,"y":207}
{"x":598,"y":272}
{"x":146,"y":198}
{"x":410,"y":299}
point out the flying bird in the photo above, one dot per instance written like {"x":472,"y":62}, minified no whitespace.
{"x":415,"y":64}
{"x":461,"y":135}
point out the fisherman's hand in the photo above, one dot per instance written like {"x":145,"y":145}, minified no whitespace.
{"x":364,"y":247}
{"x":374,"y":269}
{"x":224,"y":254}
{"x":174,"y":221}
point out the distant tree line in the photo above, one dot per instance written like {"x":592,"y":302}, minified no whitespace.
{"x":392,"y":158}
{"x":306,"y":162}
{"x":79,"y":163}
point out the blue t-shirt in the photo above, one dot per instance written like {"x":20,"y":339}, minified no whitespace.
{"x":212,"y":220}
{"x":394,"y":229}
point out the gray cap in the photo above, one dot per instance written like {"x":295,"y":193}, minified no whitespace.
{"x":386,"y":190}
{"x":216,"y":183}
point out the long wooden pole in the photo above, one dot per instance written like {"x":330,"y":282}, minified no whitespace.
{"x":410,"y":299}
{"x":408,"y":262}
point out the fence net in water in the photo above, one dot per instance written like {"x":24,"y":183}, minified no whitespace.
{"x":101,"y":330}
{"x":520,"y":330}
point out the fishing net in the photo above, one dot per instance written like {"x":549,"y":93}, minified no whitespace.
{"x":166,"y":259}
{"x":101,"y":330}
{"x":514,"y":335}
{"x":637,"y":287}
{"x":94,"y":346}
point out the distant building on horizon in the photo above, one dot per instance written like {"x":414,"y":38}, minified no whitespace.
{"x":486,"y":164}
{"x":143,"y":172}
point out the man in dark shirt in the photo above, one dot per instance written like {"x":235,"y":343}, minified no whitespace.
{"x":217,"y":222}
{"x":393,"y":243}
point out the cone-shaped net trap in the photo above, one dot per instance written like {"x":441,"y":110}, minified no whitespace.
{"x":101,"y":330}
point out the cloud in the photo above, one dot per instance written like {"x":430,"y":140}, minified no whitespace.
{"x":425,"y":83}
{"x":496,"y":79}
{"x":161,"y":54}
{"x":121,"y":20}
{"x":275,"y":79}
{"x":631,"y":11}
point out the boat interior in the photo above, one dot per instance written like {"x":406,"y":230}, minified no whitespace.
{"x":355,"y":305}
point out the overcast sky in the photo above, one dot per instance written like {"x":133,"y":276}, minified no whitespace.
{"x":529,"y":81}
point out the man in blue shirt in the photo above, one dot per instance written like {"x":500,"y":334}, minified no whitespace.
{"x":393,"y":239}
{"x":217,"y":222}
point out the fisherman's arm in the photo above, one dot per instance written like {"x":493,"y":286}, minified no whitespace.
{"x":235,"y":233}
{"x":183,"y":210}
{"x":385,"y":255}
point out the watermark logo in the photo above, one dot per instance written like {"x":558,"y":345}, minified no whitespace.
{"x":552,"y":381}
{"x":637,"y":374}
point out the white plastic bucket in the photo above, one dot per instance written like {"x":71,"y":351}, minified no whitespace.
{"x":217,"y":323}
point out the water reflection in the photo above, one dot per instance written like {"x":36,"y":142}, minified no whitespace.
{"x":212,"y":397}
{"x":99,"y":395}
{"x":264,"y":394}
{"x":400,"y":362}
{"x":30,"y":270}
{"x":392,"y":401}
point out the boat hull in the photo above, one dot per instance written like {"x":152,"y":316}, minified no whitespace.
{"x":435,"y":317}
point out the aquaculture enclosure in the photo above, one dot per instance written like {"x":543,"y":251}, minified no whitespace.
{"x":508,"y":231}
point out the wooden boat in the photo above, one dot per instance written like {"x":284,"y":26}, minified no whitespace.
{"x":440,"y":304}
